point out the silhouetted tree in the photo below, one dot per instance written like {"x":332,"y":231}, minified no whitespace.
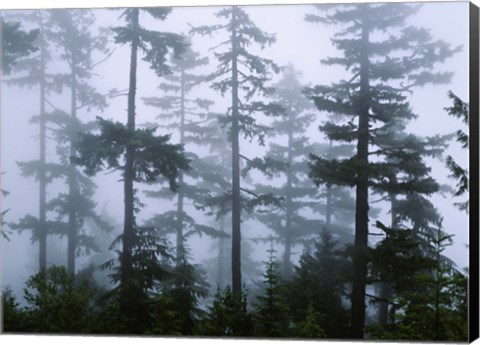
{"x":141,"y":156}
{"x":459,"y":109}
{"x":382,"y":72}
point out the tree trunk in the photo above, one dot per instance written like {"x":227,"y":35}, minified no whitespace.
{"x":236,"y":263}
{"x":328,"y":208}
{"x":221,"y":255}
{"x":288,"y":221}
{"x":180,"y":240}
{"x":72,"y":190}
{"x":129,"y":217}
{"x":361,"y":210}
{"x":42,"y":179}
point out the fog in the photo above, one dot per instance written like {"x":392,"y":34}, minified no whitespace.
{"x":299,"y":43}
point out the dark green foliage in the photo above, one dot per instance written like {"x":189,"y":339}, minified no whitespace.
{"x":150,"y":261}
{"x":459,"y":109}
{"x":316,"y":290}
{"x":55,"y":304}
{"x":382,"y":73}
{"x":176,"y":311}
{"x":227,"y":316}
{"x":271,"y":314}
{"x":310,"y":326}
{"x":13,"y":317}
{"x":154,"y":44}
{"x":154,"y":156}
{"x":16,"y":44}
{"x":433,"y":300}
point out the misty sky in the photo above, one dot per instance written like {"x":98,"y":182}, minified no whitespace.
{"x":298,"y":42}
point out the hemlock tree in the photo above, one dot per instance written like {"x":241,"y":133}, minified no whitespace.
{"x":243,"y":75}
{"x":191,"y":118}
{"x":383,"y":70}
{"x":141,"y":156}
{"x":71,"y":32}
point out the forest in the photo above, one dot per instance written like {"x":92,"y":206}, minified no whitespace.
{"x":176,"y":171}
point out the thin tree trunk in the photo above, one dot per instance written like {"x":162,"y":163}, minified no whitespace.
{"x":328,"y":211}
{"x":180,"y":245}
{"x":221,"y":255}
{"x":288,"y":222}
{"x":236,"y":263}
{"x":72,"y":190}
{"x":361,"y":211}
{"x":42,"y":179}
{"x":129,"y":220}
{"x":328,"y":206}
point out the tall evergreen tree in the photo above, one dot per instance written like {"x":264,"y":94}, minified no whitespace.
{"x":191,"y":117}
{"x":245,"y":75}
{"x":71,"y":32}
{"x":33,"y":71}
{"x":140,"y":155}
{"x":383,"y":71}
{"x":290,"y":163}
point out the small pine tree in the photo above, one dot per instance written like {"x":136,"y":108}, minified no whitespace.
{"x":271,"y":315}
{"x":227,"y":316}
{"x":319,"y":282}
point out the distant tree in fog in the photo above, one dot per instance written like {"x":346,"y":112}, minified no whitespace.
{"x":33,"y":71}
{"x":191,"y":118}
{"x":71,"y":32}
{"x":243,"y":75}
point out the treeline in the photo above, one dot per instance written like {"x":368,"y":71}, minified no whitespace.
{"x":313,"y":194}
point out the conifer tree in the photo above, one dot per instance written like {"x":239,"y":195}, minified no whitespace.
{"x":459,"y":109}
{"x":32,"y":71}
{"x":382,"y":73}
{"x":16,"y":43}
{"x":191,"y":117}
{"x":243,"y":75}
{"x":271,"y":315}
{"x":288,"y":162}
{"x":317,"y":287}
{"x":71,"y":32}
{"x":141,"y":156}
